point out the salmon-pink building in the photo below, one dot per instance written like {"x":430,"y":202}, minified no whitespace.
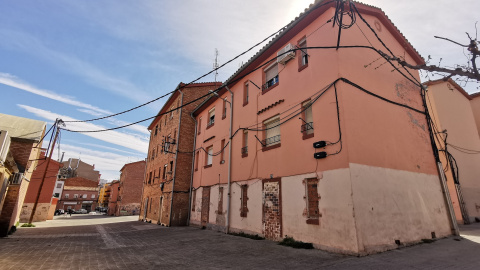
{"x":325,"y":145}
{"x":458,"y":140}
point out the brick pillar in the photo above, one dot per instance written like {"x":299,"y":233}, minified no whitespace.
{"x":8,"y":210}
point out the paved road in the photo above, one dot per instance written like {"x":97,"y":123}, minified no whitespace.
{"x":119,"y":243}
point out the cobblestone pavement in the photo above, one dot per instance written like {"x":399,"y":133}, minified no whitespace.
{"x":119,"y":243}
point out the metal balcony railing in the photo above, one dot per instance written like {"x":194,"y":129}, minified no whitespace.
{"x":271,"y":141}
{"x":211,"y":121}
{"x":270,"y":83}
{"x":307,"y":127}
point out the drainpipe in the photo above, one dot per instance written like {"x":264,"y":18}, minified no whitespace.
{"x":176,"y":157}
{"x":142,"y":203}
{"x":193,"y":170}
{"x":446,"y":194}
{"x":229,"y":161}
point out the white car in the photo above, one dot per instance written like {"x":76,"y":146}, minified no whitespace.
{"x":81,"y":211}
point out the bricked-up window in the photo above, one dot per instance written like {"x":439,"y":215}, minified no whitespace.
{"x":194,"y":198}
{"x":312,"y":200}
{"x":243,"y":201}
{"x":197,"y":157}
{"x":222,"y":154}
{"x":165,"y":171}
{"x":209,"y":156}
{"x":307,"y":117}
{"x":199,"y":126}
{"x":171,"y":166}
{"x":245,"y":93}
{"x":220,"y":201}
{"x":156,"y":130}
{"x":211,"y":117}
{"x":272,"y":132}
{"x":150,"y":206}
{"x":303,"y":59}
{"x":150,"y":178}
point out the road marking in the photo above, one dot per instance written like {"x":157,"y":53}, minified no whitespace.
{"x":107,"y":239}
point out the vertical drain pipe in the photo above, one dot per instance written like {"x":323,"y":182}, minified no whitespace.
{"x":229,"y":161}
{"x":176,"y":157}
{"x":446,"y":194}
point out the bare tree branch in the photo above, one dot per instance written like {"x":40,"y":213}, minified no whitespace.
{"x":451,"y":41}
{"x":432,"y":68}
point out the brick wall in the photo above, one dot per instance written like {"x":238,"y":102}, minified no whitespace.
{"x":9,"y":207}
{"x":131,"y":185}
{"x":164,"y":126}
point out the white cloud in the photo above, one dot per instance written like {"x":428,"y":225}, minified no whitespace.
{"x":13,"y":81}
{"x":134,"y":142}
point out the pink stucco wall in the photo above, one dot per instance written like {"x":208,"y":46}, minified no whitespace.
{"x":386,"y":153}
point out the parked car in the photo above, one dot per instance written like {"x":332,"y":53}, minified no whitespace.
{"x":81,"y":211}
{"x":59,"y":212}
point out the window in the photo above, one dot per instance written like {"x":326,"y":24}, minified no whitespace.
{"x":307,"y":120}
{"x":311,"y":197}
{"x":209,"y":157}
{"x":84,"y":196}
{"x":171,"y":166}
{"x":199,"y":125}
{"x":271,"y":77}
{"x":211,"y":118}
{"x":59,"y":185}
{"x":245,"y":143}
{"x":165,"y":171}
{"x":224,"y":111}
{"x":150,"y":178}
{"x":222,"y":154}
{"x":272,"y":133}
{"x":67,"y":196}
{"x":244,"y":199}
{"x":245,"y":93}
{"x":93,"y":196}
{"x":75,"y":196}
{"x":156,"y":130}
{"x":303,"y":59}
{"x":56,"y":195}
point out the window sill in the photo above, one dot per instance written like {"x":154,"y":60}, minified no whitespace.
{"x":270,"y":88}
{"x":307,"y":136}
{"x":266,"y":148}
{"x":244,"y":155}
{"x":210,"y":125}
{"x":207,"y":166}
{"x":313,"y":221}
{"x":302,"y":67}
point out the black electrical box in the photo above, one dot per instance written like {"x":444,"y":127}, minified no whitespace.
{"x":320,"y":155}
{"x":319,"y":144}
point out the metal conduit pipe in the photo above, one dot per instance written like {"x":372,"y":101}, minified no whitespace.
{"x":229,"y":161}
{"x":193,"y":170}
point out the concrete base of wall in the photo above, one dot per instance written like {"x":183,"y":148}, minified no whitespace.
{"x":40,"y":215}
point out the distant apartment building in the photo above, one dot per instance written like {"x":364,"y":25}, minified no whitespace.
{"x":79,"y":193}
{"x":44,"y":203}
{"x":21,"y":141}
{"x":131,"y":186}
{"x":455,"y":113}
{"x":103,"y":195}
{"x":307,"y":140}
{"x":76,"y":168}
{"x":168,"y":172}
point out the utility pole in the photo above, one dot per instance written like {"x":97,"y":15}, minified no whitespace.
{"x":57,"y":130}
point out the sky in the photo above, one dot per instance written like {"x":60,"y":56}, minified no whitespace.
{"x":78,"y":60}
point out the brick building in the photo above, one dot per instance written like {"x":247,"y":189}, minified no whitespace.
{"x":131,"y":186}
{"x":76,"y":168}
{"x":169,"y":159}
{"x":45,"y":199}
{"x":79,"y":193}
{"x":113,"y":197}
{"x":22,"y":158}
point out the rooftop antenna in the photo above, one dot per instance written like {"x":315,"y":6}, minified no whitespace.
{"x":215,"y":64}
